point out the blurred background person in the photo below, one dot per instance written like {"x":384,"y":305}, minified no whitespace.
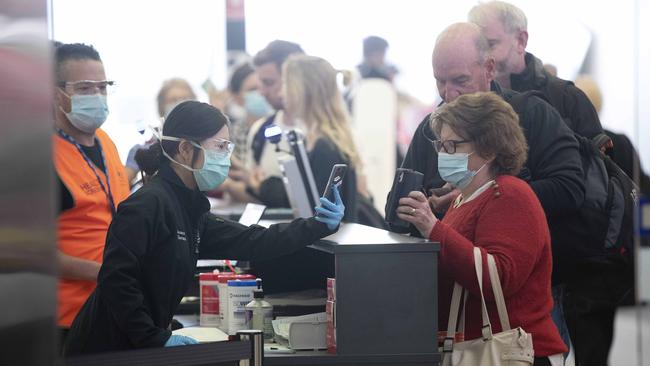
{"x":172,"y":92}
{"x":246,"y":106}
{"x":622,"y":151}
{"x":374,"y":63}
{"x":312,"y":96}
{"x":260,"y":167}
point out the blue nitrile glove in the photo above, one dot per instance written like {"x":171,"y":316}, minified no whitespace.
{"x":330,"y":213}
{"x":130,"y":159}
{"x":180,"y":340}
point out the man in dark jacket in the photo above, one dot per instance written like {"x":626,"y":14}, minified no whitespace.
{"x":505,"y":27}
{"x":461,"y":65}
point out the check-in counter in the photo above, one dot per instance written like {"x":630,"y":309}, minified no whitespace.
{"x":386,"y":307}
{"x":386,"y":300}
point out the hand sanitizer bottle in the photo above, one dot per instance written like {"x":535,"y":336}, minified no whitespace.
{"x":260,"y":313}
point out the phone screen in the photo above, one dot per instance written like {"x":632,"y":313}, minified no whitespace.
{"x":336,"y":179}
{"x":252,"y":214}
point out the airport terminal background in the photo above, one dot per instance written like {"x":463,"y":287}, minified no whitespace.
{"x":145,"y":42}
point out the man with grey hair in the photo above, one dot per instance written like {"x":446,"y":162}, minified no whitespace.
{"x":590,"y":326}
{"x":506,"y":28}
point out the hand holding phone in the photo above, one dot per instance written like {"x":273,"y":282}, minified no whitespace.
{"x":331,"y":209}
{"x":336,"y":178}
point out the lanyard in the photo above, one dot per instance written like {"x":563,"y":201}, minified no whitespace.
{"x":106,"y":188}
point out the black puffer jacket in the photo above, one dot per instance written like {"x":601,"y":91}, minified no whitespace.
{"x":572,"y":104}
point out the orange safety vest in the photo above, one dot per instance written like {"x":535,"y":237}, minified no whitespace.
{"x":81,"y":230}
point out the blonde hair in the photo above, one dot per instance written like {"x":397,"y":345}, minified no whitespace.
{"x":590,"y":87}
{"x":312,"y":95}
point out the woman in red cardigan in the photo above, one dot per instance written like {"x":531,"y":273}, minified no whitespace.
{"x":481,"y":150}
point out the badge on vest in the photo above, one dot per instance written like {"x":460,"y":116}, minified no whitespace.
{"x":91,"y":187}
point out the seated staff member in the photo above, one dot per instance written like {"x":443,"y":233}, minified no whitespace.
{"x":480,"y":151}
{"x":159,"y":233}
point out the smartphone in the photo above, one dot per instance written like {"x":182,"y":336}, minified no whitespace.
{"x":336,"y":179}
{"x":252,"y":214}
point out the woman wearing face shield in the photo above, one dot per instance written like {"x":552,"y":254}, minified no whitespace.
{"x":159,"y":232}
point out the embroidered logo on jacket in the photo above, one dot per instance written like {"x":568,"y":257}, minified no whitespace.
{"x":180,"y":235}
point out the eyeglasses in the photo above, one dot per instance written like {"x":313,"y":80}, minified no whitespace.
{"x":221,"y":146}
{"x":448,"y":146}
{"x":88,"y":87}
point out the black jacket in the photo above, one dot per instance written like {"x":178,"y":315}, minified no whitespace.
{"x":150,"y":258}
{"x":553,"y":168}
{"x":625,"y":156}
{"x":572,"y":104}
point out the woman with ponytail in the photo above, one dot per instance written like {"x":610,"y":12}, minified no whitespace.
{"x":159,"y":232}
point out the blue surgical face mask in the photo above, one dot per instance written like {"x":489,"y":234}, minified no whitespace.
{"x":256,"y":104}
{"x":87,"y":112}
{"x":454,"y":169}
{"x":215,"y":166}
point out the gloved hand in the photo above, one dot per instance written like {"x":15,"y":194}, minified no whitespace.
{"x":130,"y":159}
{"x":330,"y":213}
{"x":180,"y":340}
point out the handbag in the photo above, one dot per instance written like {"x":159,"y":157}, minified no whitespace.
{"x":510,"y":347}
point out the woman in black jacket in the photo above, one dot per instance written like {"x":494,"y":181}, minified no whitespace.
{"x":159,"y":232}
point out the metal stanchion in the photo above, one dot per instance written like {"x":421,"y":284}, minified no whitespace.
{"x":256,"y":339}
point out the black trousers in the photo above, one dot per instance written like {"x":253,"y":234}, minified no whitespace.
{"x":590,"y":305}
{"x":591,"y":327}
{"x":541,"y":361}
{"x":63,"y":334}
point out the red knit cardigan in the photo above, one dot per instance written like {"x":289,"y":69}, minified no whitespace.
{"x":508,"y":222}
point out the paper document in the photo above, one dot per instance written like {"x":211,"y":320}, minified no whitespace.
{"x":203,"y":334}
{"x":281,"y":326}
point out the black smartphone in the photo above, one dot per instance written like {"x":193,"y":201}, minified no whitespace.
{"x":336,"y":179}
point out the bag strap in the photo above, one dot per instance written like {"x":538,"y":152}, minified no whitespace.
{"x":486,"y":329}
{"x":454,"y":308}
{"x":498,"y":293}
{"x":448,"y":343}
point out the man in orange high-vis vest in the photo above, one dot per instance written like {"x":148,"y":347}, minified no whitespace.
{"x":90,"y":174}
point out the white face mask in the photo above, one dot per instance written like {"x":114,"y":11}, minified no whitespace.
{"x":214,"y":172}
{"x":87,"y":112}
{"x":454,"y":169}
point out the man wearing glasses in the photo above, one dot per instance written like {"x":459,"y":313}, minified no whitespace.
{"x":91,"y":176}
{"x":461,"y":65}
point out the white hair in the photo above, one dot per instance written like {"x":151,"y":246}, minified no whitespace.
{"x":512,"y":18}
